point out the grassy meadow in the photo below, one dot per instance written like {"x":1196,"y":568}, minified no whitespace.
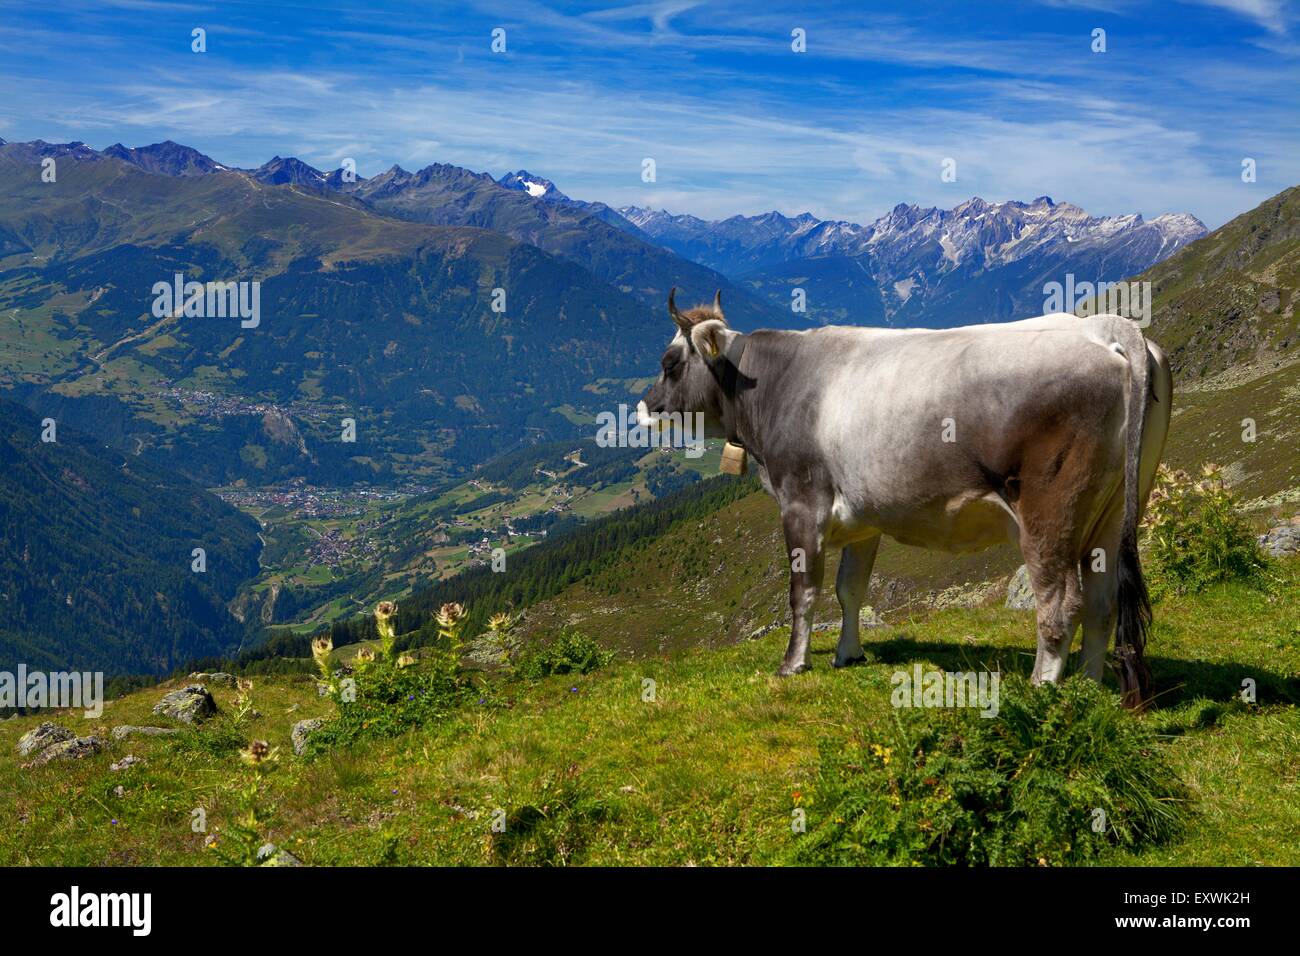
{"x":583,"y":769}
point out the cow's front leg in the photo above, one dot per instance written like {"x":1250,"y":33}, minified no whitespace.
{"x":856,"y":562}
{"x":804,"y":528}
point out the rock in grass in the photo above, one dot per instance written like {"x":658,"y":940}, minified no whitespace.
{"x":73,"y":749}
{"x":122,"y":731}
{"x":216,"y":677}
{"x":46,"y":735}
{"x":1281,"y":541}
{"x":189,"y":705}
{"x":268,"y":854}
{"x":1020,"y":593}
{"x":130,"y":760}
{"x":302,"y":730}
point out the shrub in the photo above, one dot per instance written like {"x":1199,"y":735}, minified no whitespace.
{"x":1197,"y":536}
{"x":389,"y":700}
{"x":388,"y":694}
{"x":946,"y":786}
{"x":572,"y":652}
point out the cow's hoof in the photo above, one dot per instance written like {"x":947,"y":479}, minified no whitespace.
{"x":850,"y":661}
{"x":786,"y":670}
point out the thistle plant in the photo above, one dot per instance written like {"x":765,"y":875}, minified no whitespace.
{"x":386,"y":625}
{"x":321,"y":649}
{"x":451,"y":621}
{"x":396,"y":691}
{"x":243,"y":709}
{"x":1197,"y":535}
{"x":238,"y":843}
{"x":501,"y":626}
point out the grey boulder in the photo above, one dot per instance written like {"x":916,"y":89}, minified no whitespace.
{"x":1020,"y":593}
{"x":1281,"y":541}
{"x":46,"y":735}
{"x":216,"y":677}
{"x":302,"y":730}
{"x":73,"y":749}
{"x":189,"y":705}
{"x":122,"y":731}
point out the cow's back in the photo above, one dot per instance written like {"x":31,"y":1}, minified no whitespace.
{"x":915,"y":427}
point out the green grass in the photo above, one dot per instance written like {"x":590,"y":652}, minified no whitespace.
{"x":585,"y":770}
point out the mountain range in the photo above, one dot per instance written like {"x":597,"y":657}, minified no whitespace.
{"x":435,"y":371}
{"x":976,"y":262}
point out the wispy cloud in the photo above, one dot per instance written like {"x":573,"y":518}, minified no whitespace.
{"x":735,"y":120}
{"x":1272,"y":15}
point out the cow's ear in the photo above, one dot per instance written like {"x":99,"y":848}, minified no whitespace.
{"x":713,"y":340}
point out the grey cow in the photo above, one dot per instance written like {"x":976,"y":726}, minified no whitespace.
{"x":1046,"y":432}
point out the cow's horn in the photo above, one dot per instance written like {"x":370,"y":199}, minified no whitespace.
{"x":717,"y":303}
{"x":678,"y":318}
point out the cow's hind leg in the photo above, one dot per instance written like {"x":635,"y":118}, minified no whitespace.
{"x":856,"y":562}
{"x":804,"y":527}
{"x":1059,"y":596}
{"x":1100,"y":593}
{"x":1051,"y":543}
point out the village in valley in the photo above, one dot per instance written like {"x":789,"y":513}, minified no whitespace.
{"x":359,"y":544}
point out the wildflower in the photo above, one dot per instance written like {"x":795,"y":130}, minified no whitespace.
{"x":501,"y":623}
{"x":256,"y":752}
{"x":406,"y":660}
{"x":386,"y":625}
{"x":366,"y":655}
{"x":450,"y":614}
{"x":321,"y":648}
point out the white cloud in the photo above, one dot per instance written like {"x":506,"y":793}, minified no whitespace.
{"x":1269,"y":14}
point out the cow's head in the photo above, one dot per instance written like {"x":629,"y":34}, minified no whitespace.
{"x":691,"y":370}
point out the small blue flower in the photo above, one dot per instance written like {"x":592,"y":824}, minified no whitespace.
{"x":411,"y":697}
{"x":573,"y":690}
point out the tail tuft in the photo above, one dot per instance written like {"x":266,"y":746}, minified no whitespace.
{"x":1134,"y":614}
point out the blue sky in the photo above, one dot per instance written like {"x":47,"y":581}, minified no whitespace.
{"x":735,"y":120}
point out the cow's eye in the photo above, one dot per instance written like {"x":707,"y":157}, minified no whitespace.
{"x":671,"y":367}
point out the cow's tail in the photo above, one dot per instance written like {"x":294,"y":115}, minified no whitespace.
{"x":1134,"y":605}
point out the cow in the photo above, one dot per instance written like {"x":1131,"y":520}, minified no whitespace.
{"x":1045,"y":432}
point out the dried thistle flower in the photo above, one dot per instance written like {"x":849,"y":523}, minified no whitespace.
{"x":256,"y":752}
{"x":450,"y":614}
